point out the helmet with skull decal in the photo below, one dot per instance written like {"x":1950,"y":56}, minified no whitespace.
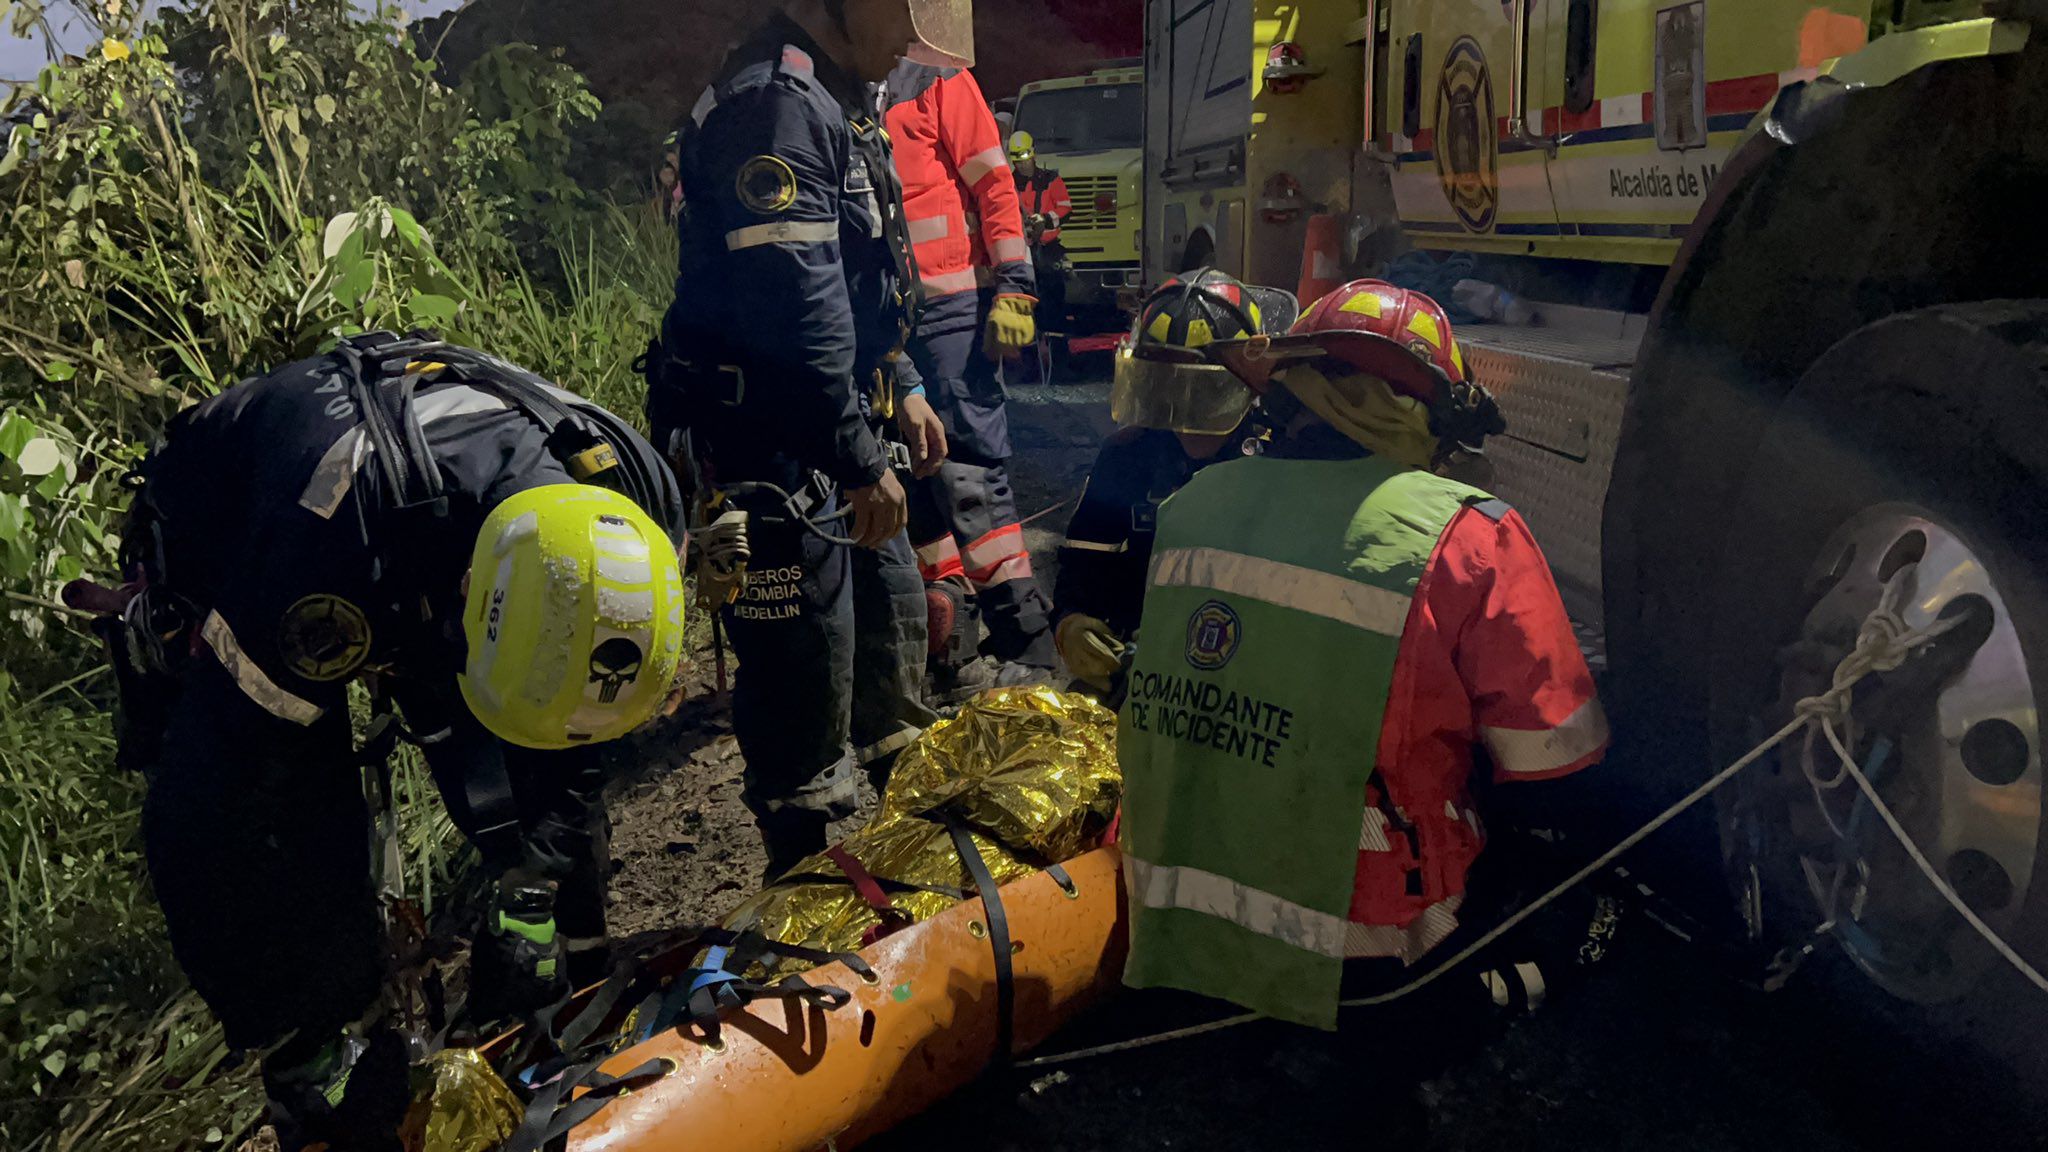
{"x":574,"y":617}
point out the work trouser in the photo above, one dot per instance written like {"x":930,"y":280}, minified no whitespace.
{"x":1049,"y":269}
{"x":963,"y":520}
{"x":257,"y":838}
{"x":831,"y":644}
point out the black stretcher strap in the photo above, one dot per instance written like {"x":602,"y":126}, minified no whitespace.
{"x":555,"y":1107}
{"x":1066,"y":882}
{"x":998,"y":932}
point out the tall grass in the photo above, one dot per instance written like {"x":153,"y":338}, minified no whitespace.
{"x":197,"y":201}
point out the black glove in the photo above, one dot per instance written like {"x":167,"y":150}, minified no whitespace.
{"x":1466,"y":415}
{"x":517,"y":962}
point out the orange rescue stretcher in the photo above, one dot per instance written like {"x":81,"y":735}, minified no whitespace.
{"x":790,"y":1076}
{"x":763,"y":1035}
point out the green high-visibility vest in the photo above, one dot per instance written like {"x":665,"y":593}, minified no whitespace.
{"x":1279,"y":590}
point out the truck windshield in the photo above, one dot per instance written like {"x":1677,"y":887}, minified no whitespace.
{"x":1084,"y":119}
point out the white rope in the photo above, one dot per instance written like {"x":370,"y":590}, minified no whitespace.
{"x":1926,"y":866}
{"x":1882,"y":644}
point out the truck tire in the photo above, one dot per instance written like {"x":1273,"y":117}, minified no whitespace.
{"x":1913,"y":451}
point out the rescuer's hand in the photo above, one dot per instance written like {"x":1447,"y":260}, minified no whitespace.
{"x":923,"y":432}
{"x":879,"y":511}
{"x":1091,"y":649}
{"x":718,"y":558}
{"x":1011,"y":328}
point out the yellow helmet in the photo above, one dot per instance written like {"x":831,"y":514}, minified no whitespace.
{"x":574,"y":617}
{"x":1022,"y":147}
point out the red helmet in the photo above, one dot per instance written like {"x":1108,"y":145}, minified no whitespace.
{"x":1400,"y":336}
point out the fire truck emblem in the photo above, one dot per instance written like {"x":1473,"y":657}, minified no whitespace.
{"x":1467,"y":136}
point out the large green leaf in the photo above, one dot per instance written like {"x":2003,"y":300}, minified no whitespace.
{"x":16,"y":431}
{"x":14,"y":519}
{"x":39,"y":457}
{"x":355,"y":283}
{"x":431,"y":311}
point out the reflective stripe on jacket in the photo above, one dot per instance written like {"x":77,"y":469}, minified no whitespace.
{"x":1268,"y":654}
{"x":960,"y":202}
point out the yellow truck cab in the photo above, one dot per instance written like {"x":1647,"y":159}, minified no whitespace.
{"x":1090,"y":129}
{"x":1781,"y":364}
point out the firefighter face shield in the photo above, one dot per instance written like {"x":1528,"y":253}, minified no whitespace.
{"x":942,"y":33}
{"x":1178,"y":390}
{"x":574,"y":618}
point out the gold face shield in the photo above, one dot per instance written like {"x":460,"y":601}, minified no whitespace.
{"x":944,"y":33}
{"x":1182,"y":392}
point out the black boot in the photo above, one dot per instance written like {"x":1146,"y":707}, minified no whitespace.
{"x":791,"y":835}
{"x":517,"y":964}
{"x":349,"y":1093}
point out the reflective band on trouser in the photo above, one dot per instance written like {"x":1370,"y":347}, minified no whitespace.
{"x":782,"y":232}
{"x":939,"y":560}
{"x":928,"y":228}
{"x":1533,"y":753}
{"x":1251,"y":721}
{"x":1010,"y":250}
{"x":948,"y":283}
{"x":869,"y":753}
{"x":979,"y":166}
{"x":254,"y":682}
{"x":998,"y":557}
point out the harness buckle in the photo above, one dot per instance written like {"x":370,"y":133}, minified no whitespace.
{"x":593,"y":462}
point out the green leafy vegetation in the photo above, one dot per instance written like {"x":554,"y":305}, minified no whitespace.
{"x":199,"y":199}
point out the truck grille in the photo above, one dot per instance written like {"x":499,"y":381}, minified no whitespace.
{"x":1086,"y":217}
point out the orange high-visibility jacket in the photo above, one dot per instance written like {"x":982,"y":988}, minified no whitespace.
{"x":960,"y":202}
{"x":1044,"y":193}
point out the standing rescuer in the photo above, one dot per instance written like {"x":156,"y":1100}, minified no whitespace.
{"x":976,"y":309}
{"x":1177,"y":413}
{"x":493,"y":555}
{"x":1045,"y":202}
{"x":1330,"y":597}
{"x":777,"y":361}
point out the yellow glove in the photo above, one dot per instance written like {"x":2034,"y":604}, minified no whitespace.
{"x":1010,"y":326}
{"x":1091,"y":650}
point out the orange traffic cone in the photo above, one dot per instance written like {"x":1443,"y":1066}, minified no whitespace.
{"x":1322,"y":262}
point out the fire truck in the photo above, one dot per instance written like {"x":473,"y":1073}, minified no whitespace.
{"x":1788,"y":367}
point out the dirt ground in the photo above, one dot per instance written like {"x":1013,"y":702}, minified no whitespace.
{"x":1655,"y":1048}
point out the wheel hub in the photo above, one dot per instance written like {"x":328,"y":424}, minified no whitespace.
{"x":1951,"y":741}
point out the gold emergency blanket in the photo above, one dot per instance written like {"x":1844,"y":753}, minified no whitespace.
{"x":462,"y":1107}
{"x":1031,"y":772}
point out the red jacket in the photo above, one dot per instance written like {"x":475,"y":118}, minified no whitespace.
{"x":1488,"y":659}
{"x":960,"y":204}
{"x":1045,"y":194}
